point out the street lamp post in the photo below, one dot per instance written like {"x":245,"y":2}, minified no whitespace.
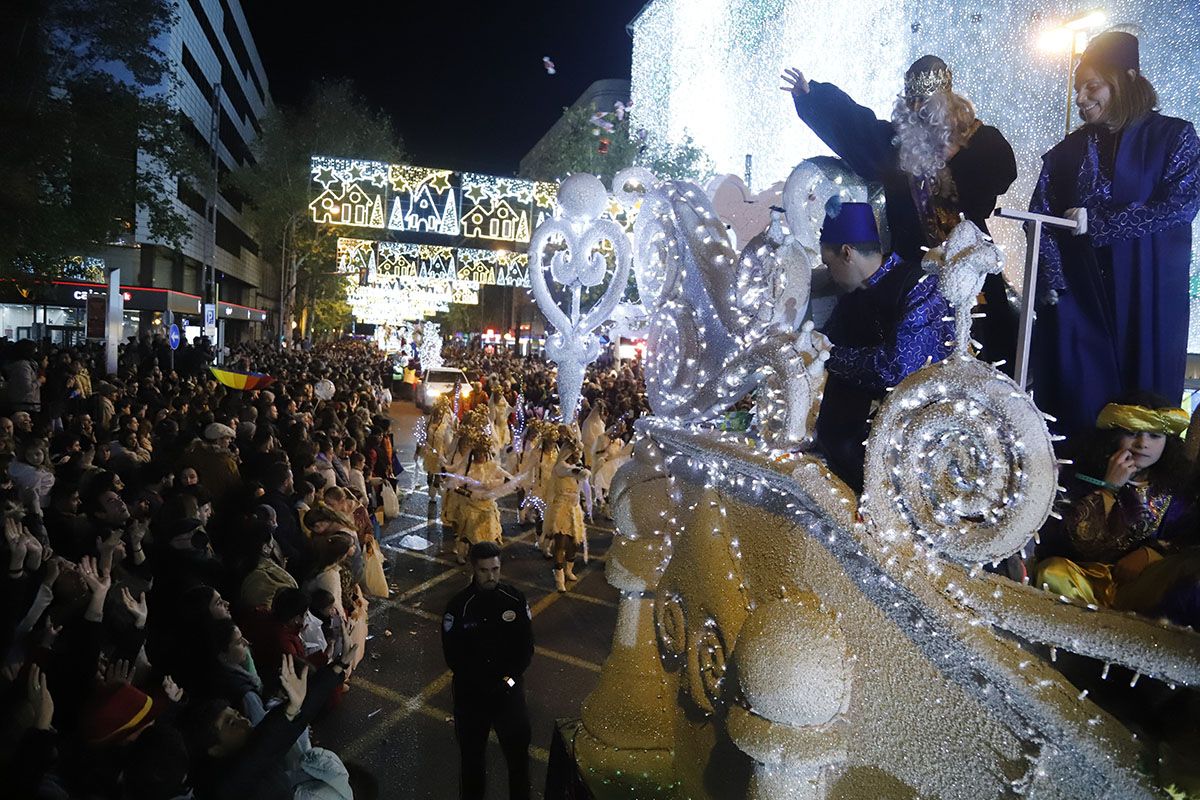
{"x":1073,"y":37}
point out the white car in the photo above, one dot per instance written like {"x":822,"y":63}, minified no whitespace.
{"x":436,"y":382}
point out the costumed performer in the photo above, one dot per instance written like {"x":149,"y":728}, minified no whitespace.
{"x":1114,"y":292}
{"x":591,"y":431}
{"x":612,"y":458}
{"x":564,"y":515}
{"x":1141,"y":514}
{"x":453,"y":468}
{"x":542,"y":482}
{"x":889,"y":322}
{"x":500,"y":409}
{"x":935,"y":160}
{"x":479,"y":515}
{"x":439,"y":434}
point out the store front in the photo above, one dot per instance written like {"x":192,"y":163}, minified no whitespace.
{"x":58,"y":311}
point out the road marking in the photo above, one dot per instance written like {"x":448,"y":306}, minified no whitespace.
{"x":418,"y":703}
{"x":408,"y":706}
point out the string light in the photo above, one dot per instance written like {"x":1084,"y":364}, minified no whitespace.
{"x":711,"y":70}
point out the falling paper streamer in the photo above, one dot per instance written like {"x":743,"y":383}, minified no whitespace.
{"x":548,"y":64}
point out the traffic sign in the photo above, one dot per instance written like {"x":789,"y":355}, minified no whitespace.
{"x":173,"y":336}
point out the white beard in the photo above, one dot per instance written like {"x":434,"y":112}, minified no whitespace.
{"x":923,"y":137}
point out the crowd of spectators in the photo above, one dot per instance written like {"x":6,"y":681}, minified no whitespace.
{"x":189,"y":567}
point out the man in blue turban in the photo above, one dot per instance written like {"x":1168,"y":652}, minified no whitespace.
{"x":891,"y":320}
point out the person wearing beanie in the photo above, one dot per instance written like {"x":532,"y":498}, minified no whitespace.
{"x":936,"y":161}
{"x":214,"y":462}
{"x":890,"y":320}
{"x":1113,"y":313}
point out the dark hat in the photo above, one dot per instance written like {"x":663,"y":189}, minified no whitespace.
{"x":1113,"y":49}
{"x":848,"y":223}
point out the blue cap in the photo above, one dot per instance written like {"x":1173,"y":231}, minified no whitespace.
{"x":848,"y":223}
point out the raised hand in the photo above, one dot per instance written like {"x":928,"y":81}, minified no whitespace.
{"x":137,"y":608}
{"x":1121,"y":468}
{"x":171,"y":689}
{"x":120,"y":671}
{"x":39,"y":699}
{"x":50,"y":632}
{"x":97,"y":580}
{"x":294,"y":683}
{"x":794,"y":82}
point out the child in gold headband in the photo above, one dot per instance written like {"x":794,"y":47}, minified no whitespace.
{"x":1137,"y":506}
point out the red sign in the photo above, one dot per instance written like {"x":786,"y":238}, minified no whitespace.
{"x":97,"y":316}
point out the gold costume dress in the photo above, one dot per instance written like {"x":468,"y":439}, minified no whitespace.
{"x":1111,"y":533}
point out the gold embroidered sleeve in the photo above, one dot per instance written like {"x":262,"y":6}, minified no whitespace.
{"x":1105,"y":526}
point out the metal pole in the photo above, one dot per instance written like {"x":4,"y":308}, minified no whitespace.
{"x":1033,"y":241}
{"x":1070,"y":84}
{"x":207,"y":289}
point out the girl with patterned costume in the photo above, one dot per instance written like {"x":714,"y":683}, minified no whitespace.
{"x":1138,"y":514}
{"x":564,"y":516}
{"x":478,"y":514}
{"x":1114,"y":290}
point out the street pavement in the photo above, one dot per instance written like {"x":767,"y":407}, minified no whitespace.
{"x":396,"y":719}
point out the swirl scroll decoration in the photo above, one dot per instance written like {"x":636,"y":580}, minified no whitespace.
{"x":958,"y":455}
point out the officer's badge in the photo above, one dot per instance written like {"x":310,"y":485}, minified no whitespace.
{"x":508,"y":616}
{"x":447,"y":622}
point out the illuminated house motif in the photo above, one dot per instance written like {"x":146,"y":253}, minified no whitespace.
{"x":327,"y":208}
{"x":397,"y":260}
{"x":499,"y":220}
{"x":436,"y":262}
{"x":465,"y":292}
{"x":476,"y":265}
{"x":512,"y":269}
{"x":361,"y":209}
{"x":356,"y":256}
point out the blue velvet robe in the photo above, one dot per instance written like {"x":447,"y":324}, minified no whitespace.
{"x":881,"y":333}
{"x":1121,"y":320}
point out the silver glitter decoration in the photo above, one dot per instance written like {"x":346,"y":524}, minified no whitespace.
{"x":709,"y":68}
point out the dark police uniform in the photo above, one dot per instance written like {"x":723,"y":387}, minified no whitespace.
{"x":487,"y":638}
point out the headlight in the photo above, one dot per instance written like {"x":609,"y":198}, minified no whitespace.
{"x":466,"y":391}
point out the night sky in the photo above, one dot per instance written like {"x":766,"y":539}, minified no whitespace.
{"x":463,"y":81}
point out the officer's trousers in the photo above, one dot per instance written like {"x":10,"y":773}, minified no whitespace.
{"x":476,"y":713}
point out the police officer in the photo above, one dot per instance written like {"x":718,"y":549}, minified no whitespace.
{"x":487,"y":638}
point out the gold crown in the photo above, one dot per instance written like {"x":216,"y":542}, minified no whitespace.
{"x":928,"y":82}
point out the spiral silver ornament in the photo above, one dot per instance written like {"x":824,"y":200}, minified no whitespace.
{"x":959,"y":456}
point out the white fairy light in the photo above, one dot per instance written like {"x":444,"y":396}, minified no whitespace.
{"x":710,"y":69}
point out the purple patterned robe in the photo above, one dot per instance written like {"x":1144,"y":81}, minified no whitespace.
{"x":1121,"y":320}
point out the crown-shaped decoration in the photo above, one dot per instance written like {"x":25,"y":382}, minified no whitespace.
{"x":928,"y":82}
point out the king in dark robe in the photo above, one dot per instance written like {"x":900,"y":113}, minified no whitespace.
{"x":935,"y":160}
{"x":1114,"y":313}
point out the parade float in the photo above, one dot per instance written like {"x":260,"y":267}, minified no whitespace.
{"x":779,"y":636}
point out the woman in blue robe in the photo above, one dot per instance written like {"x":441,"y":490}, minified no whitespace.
{"x":1114,"y":292}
